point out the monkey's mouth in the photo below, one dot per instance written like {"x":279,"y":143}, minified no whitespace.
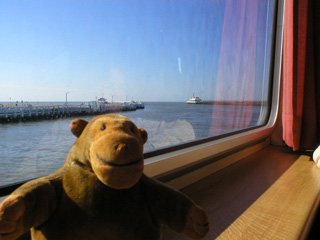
{"x":111,"y":164}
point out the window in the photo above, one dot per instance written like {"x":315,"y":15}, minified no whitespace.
{"x":215,"y":55}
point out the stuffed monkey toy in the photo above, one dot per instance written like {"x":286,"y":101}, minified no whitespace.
{"x":101,"y":192}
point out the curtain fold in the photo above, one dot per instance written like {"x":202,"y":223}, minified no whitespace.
{"x":236,"y":75}
{"x":300,"y":99}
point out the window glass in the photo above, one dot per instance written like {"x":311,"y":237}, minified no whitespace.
{"x":199,"y":68}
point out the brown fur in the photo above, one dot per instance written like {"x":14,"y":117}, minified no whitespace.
{"x":100,"y":192}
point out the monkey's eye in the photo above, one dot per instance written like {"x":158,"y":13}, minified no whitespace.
{"x":133,"y":130}
{"x":103,"y":127}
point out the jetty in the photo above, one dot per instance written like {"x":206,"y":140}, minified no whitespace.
{"x":233,"y":102}
{"x":12,"y":113}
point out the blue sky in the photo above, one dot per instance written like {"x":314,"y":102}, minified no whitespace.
{"x":141,"y":50}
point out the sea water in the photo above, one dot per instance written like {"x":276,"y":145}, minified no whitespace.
{"x":32,"y":149}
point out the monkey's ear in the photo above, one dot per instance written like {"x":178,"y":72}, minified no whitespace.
{"x":144,"y":135}
{"x":77,"y":126}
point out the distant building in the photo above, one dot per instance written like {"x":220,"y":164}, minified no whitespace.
{"x":102,"y":100}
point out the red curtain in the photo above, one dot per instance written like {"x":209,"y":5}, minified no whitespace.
{"x":300,"y":95}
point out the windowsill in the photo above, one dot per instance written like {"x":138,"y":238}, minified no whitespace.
{"x":267,"y":180}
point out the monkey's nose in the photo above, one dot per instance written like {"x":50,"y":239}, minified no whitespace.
{"x":121,"y":147}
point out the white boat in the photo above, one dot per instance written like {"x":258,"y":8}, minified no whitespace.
{"x":194,"y":100}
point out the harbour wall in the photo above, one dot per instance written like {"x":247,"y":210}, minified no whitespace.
{"x":11,"y":114}
{"x":235,"y":102}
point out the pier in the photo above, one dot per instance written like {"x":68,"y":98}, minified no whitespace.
{"x":9,"y":114}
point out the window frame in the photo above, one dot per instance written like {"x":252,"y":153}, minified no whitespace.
{"x":161,"y":162}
